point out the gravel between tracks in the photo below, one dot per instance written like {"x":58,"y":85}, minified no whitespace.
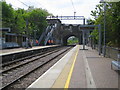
{"x":25,"y":82}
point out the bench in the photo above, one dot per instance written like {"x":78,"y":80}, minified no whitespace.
{"x":115,"y":65}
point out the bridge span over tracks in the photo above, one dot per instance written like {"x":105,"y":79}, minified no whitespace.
{"x":59,"y":32}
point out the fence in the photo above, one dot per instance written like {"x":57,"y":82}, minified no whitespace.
{"x":111,"y":52}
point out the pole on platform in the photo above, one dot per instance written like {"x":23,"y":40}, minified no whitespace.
{"x":83,"y":35}
{"x":100,"y":38}
{"x":104,"y":42}
{"x":83,"y":39}
{"x":104,"y":30}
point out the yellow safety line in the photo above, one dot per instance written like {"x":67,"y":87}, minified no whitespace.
{"x":71,"y":70}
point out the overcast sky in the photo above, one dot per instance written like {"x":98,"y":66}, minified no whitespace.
{"x":60,"y":7}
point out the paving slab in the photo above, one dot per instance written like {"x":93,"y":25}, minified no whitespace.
{"x":93,"y":71}
{"x":49,"y":78}
{"x":90,"y":71}
{"x":78,"y":79}
{"x":102,"y":73}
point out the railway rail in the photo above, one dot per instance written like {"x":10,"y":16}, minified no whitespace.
{"x":20,"y":69}
{"x":16,"y":63}
{"x":17,"y":56}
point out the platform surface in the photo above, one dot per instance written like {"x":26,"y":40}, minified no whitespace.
{"x":79,"y":69}
{"x":16,"y":50}
{"x":93,"y":71}
{"x":47,"y":80}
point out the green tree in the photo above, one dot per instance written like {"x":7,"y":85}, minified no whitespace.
{"x":37,"y":21}
{"x":7,"y":15}
{"x":17,"y":19}
{"x":112,"y":22}
{"x":90,"y":22}
{"x":115,"y":24}
{"x":19,"y":22}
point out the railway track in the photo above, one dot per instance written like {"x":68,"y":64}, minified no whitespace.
{"x":20,"y":62}
{"x":40,"y":52}
{"x":13,"y":73}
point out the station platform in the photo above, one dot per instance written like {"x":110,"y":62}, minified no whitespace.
{"x":79,"y":69}
{"x":18,"y":50}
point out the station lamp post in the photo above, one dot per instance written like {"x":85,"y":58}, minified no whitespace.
{"x":104,"y":49}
